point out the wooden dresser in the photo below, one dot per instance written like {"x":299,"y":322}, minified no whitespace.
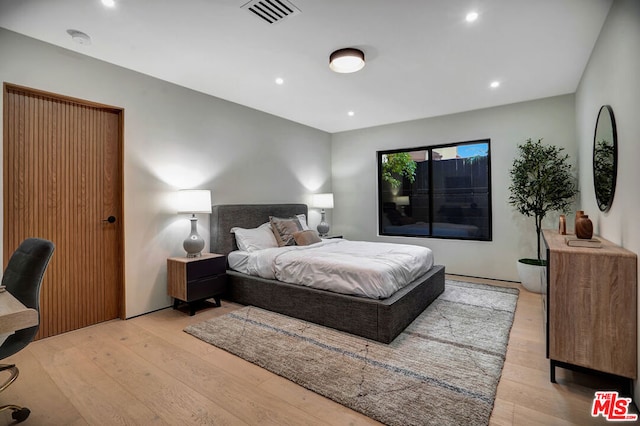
{"x":591,"y":307}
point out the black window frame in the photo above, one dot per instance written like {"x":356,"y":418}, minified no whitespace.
{"x":430,"y":149}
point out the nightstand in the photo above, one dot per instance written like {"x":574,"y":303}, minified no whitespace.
{"x":195,"y":279}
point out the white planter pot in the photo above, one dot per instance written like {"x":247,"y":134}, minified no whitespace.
{"x":532,"y":277}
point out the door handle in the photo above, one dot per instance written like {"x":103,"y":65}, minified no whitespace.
{"x":110,"y":219}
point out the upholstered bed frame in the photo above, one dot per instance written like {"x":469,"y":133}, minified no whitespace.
{"x":380,"y":320}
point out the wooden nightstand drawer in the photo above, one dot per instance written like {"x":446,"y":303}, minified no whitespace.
{"x":206,"y":268}
{"x":206,"y":287}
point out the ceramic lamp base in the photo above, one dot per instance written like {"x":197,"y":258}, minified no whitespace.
{"x":323,"y":226}
{"x":194,"y":243}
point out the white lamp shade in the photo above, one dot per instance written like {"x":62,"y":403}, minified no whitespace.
{"x":322,"y":201}
{"x":402,"y":200}
{"x":194,"y":201}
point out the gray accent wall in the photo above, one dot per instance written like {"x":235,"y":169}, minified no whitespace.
{"x":355,"y":189}
{"x":176,"y":138}
{"x":612,"y":77}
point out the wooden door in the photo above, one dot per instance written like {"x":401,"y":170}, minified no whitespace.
{"x":62,"y":181}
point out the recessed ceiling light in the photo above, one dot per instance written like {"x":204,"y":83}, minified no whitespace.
{"x":471,"y":16}
{"x":279,"y":81}
{"x":109,"y":3}
{"x":495,"y":84}
{"x":351,"y":113}
{"x":79,"y":37}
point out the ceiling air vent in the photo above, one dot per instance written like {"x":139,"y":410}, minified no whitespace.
{"x":272,"y":11}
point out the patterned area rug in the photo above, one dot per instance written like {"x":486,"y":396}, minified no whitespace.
{"x":442,"y":370}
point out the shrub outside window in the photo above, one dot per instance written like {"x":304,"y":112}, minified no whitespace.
{"x":441,"y":191}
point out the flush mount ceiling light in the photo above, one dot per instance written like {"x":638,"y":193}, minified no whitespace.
{"x":346,"y":60}
{"x":471,"y":16}
{"x":79,"y":37}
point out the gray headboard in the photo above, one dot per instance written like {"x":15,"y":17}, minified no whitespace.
{"x":226,"y":216}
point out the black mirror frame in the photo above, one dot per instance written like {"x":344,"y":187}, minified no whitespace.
{"x":605,"y":205}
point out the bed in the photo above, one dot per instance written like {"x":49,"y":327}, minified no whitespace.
{"x":377,"y":319}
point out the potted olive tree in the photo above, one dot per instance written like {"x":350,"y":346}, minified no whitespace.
{"x":541,"y":182}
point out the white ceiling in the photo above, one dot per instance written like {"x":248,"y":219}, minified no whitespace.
{"x":423,"y":58}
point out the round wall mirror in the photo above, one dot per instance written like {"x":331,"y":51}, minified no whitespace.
{"x":605,"y":158}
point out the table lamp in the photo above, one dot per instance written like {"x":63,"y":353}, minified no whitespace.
{"x":322,"y":201}
{"x":194,"y":201}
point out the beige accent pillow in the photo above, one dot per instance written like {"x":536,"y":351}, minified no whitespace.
{"x":305,"y":238}
{"x":283,"y":229}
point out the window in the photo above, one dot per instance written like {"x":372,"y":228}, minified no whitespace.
{"x":436,"y":191}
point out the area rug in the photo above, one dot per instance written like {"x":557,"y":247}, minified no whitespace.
{"x":443,"y":369}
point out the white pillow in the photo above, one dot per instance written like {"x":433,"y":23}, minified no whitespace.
{"x":256,"y":238}
{"x":302,"y":218}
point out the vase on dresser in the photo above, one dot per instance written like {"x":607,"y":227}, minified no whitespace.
{"x":584,"y":227}
{"x":562,"y":225}
{"x":579,"y":213}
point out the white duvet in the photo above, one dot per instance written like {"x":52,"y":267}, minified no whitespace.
{"x":374,"y":270}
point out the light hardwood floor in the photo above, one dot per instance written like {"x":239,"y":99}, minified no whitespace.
{"x":146,"y":370}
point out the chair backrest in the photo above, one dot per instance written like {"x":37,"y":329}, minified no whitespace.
{"x":23,"y":279}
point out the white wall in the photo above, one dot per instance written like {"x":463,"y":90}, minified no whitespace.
{"x":176,"y":138}
{"x":612,"y":77}
{"x":355,"y":178}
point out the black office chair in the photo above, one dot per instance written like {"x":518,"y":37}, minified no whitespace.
{"x":23,"y":279}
